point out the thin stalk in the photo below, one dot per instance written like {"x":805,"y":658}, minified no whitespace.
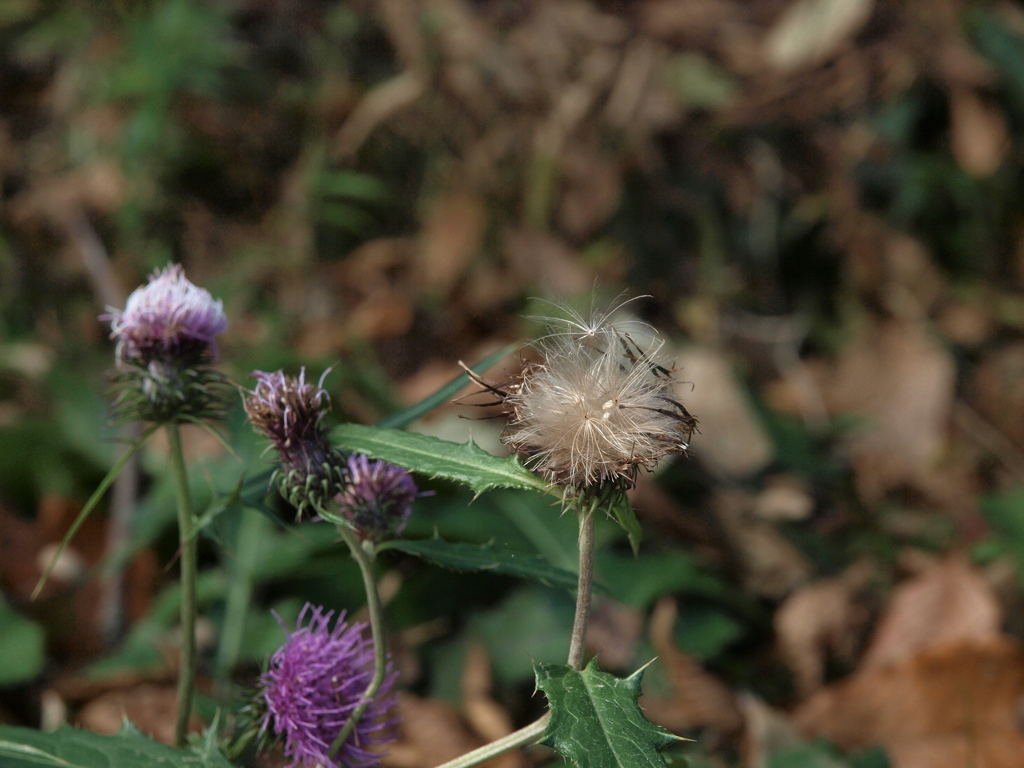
{"x":376,"y":611}
{"x":187,"y":671}
{"x":521,"y":738}
{"x":577,"y":643}
{"x":530,"y":733}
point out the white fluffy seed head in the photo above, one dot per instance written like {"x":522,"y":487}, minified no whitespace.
{"x":597,"y":407}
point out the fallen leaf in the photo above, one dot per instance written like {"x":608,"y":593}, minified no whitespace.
{"x":784,"y":498}
{"x":810,"y":31}
{"x":699,"y":699}
{"x":948,"y":603}
{"x":152,"y":708}
{"x":432,"y":732}
{"x":902,"y":382}
{"x":488,"y":719}
{"x":452,"y":236}
{"x":771,"y":566}
{"x":819,"y":620}
{"x":978,"y":133}
{"x":945,"y":707}
{"x":732,"y":442}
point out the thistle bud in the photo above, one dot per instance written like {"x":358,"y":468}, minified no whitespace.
{"x":598,"y":406}
{"x":377,"y":498}
{"x":165,"y":344}
{"x":290,"y":412}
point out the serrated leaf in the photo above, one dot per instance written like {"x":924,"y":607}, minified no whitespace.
{"x":596,"y":721}
{"x":460,"y":556}
{"x":73,"y":748}
{"x":463,"y":462}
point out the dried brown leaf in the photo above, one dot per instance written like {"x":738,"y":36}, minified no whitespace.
{"x":812,"y":30}
{"x":699,"y":698}
{"x":979,"y":139}
{"x":948,"y":603}
{"x":902,"y":382}
{"x":946,"y":707}
{"x":732,"y":441}
{"x":818,"y":620}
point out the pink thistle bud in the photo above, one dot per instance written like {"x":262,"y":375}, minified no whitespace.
{"x":377,"y":498}
{"x":290,"y":411}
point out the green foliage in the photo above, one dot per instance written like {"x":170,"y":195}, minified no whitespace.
{"x":596,"y":721}
{"x":824,"y":755}
{"x":21,"y":647}
{"x":1005,"y":512}
{"x":462,"y":462}
{"x":71,"y":748}
{"x":512,"y":642}
{"x":460,"y":556}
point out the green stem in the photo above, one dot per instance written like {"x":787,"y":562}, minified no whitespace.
{"x":577,"y":644}
{"x":187,"y":671}
{"x":521,"y":738}
{"x":376,"y":611}
{"x":532,"y":732}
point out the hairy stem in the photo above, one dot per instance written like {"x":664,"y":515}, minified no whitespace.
{"x":577,"y":644}
{"x":186,"y":517}
{"x":524,"y":736}
{"x":376,"y":611}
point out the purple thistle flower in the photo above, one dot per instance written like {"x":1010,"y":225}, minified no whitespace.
{"x":165,"y":342}
{"x":290,"y":412}
{"x":377,"y":498}
{"x":169,"y":318}
{"x":314,"y":682}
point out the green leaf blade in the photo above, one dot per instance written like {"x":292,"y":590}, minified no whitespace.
{"x":70,"y":747}
{"x":596,"y":721}
{"x":465,"y":463}
{"x":460,"y":556}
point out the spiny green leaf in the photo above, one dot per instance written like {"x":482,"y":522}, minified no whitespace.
{"x":460,"y":556}
{"x":596,"y":721}
{"x":463,"y":462}
{"x":73,"y":748}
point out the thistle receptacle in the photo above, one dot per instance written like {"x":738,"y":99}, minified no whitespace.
{"x":598,"y":406}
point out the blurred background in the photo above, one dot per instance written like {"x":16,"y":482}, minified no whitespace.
{"x":823,"y":201}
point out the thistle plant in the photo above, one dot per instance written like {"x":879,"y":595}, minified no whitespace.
{"x":166,"y":344}
{"x":588,"y":416}
{"x":312,"y":686}
{"x":596,"y":407}
{"x":367,"y":501}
